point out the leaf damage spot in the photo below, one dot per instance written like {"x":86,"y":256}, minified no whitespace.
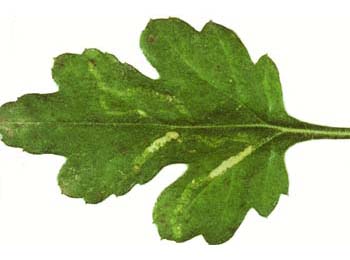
{"x":230,"y":162}
{"x":154,"y":147}
{"x":151,"y":38}
{"x":142,"y":113}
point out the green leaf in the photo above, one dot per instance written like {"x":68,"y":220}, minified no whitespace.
{"x":212,"y":108}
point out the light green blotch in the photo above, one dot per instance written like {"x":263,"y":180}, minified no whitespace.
{"x":184,"y":201}
{"x":177,"y":231}
{"x":230,"y":162}
{"x":97,"y":76}
{"x":102,"y":85}
{"x":142,"y":113}
{"x":154,"y":147}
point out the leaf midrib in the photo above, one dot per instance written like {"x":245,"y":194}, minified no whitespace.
{"x":331,"y":132}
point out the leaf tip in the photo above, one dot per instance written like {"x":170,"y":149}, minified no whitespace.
{"x":265,"y":58}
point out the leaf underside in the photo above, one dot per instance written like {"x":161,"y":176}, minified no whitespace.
{"x":212,"y":108}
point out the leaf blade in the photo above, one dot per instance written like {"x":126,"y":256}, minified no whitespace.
{"x":212,"y":108}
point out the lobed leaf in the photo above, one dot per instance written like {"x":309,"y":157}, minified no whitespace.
{"x":212,"y":108}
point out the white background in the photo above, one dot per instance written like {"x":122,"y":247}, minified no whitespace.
{"x":308,"y":40}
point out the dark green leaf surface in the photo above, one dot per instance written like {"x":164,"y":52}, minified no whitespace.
{"x":212,"y":108}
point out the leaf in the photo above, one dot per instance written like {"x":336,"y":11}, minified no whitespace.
{"x":212,"y":108}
